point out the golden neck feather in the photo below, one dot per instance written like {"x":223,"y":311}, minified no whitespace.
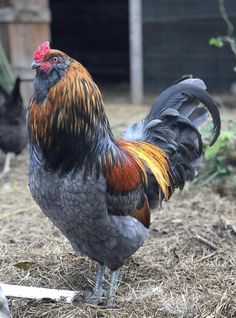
{"x":71,"y":120}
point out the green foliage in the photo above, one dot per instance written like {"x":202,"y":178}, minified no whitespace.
{"x":24,"y":265}
{"x":219,"y":159}
{"x":229,"y":38}
{"x":6,"y":73}
{"x":221,"y":146}
{"x":217,"y":42}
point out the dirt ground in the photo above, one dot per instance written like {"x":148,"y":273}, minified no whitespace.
{"x":186,"y":268}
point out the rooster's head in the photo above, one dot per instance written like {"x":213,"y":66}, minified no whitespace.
{"x":50,"y":62}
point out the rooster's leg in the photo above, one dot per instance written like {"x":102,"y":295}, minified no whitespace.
{"x":98,"y":288}
{"x":113,"y":287}
{"x":7,"y":163}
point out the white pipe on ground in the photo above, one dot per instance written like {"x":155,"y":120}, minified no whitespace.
{"x":40,"y":293}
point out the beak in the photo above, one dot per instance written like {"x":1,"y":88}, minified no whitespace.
{"x":34,"y":65}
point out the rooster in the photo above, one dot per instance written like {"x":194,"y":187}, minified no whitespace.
{"x":13,"y":132}
{"x":98,"y":190}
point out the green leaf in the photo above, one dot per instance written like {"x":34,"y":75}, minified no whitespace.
{"x":217,"y":42}
{"x":220,"y":145}
{"x":226,"y":135}
{"x":24,"y":265}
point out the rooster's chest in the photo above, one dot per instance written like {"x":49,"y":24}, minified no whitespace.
{"x":70,"y":202}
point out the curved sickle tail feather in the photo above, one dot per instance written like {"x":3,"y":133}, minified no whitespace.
{"x":173,"y":125}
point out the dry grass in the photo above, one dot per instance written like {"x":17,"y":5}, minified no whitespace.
{"x":175,"y":274}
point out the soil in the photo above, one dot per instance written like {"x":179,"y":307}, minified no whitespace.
{"x":186,"y":268}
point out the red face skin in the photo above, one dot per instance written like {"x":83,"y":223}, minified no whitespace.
{"x":39,"y":57}
{"x":44,"y":66}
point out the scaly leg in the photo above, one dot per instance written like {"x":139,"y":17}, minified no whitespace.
{"x":113,"y":287}
{"x":7,"y":163}
{"x":98,"y":288}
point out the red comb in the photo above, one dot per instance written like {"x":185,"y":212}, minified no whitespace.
{"x":42,"y":50}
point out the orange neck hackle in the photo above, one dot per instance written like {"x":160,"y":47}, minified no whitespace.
{"x":70,"y":125}
{"x":72,"y":104}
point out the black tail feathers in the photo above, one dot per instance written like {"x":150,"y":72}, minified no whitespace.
{"x":15,"y":97}
{"x":173,"y":125}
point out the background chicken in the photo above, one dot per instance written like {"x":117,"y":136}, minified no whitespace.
{"x":13,"y":134}
{"x":99,"y":191}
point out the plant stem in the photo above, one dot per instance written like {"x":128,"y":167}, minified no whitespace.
{"x":229,"y":38}
{"x":225,"y":16}
{"x":213,"y":176}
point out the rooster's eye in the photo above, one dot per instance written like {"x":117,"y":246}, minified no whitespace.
{"x":54,"y":59}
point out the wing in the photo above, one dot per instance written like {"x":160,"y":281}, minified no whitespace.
{"x":125,"y":193}
{"x":129,"y":185}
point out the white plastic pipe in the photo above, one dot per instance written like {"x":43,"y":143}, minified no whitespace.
{"x":39,"y":293}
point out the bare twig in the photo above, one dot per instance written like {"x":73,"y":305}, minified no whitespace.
{"x":207,"y":256}
{"x":224,"y":14}
{"x":140,"y":295}
{"x":6,"y":214}
{"x":206,"y":242}
{"x":229,"y":38}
